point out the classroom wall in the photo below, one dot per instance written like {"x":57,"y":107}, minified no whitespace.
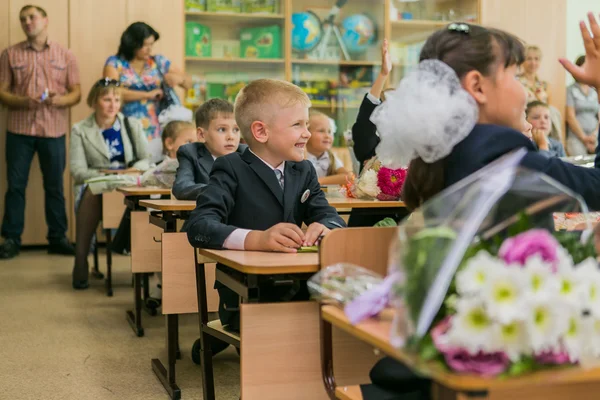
{"x":576,"y":11}
{"x":92,"y":29}
{"x":539,"y":22}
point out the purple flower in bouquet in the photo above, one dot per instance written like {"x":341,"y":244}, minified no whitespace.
{"x":390,"y":181}
{"x":552,"y":358}
{"x":460,"y":360}
{"x":535,"y":241}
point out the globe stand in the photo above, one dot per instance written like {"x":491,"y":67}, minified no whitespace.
{"x":331,"y":27}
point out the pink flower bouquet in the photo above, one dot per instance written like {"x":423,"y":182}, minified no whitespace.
{"x":377,"y":182}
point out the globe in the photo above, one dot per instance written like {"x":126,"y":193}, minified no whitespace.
{"x":358,"y":32}
{"x":306,"y":31}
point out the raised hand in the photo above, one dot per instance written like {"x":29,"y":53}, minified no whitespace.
{"x":589,"y":72}
{"x":386,"y":60}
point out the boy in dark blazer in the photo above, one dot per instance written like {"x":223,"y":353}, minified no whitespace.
{"x":258,"y":200}
{"x":217,"y":128}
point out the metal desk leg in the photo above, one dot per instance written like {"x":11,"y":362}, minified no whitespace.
{"x":167,"y":377}
{"x":96,"y":274}
{"x":135,"y":321}
{"x":146,"y":285}
{"x":206,"y":367}
{"x":327,"y":357}
{"x":109,"y":290}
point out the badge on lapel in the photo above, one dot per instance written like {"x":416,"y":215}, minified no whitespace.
{"x":305,"y":196}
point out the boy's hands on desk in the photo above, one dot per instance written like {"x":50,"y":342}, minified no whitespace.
{"x":283,"y":237}
{"x":314,"y":232}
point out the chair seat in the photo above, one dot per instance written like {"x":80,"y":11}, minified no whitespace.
{"x":348,"y":393}
{"x":216,"y":325}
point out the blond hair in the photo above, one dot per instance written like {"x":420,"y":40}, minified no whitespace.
{"x":172,"y":131}
{"x":98,"y":91}
{"x":533,"y":47}
{"x":316,"y":113}
{"x":260,"y":100}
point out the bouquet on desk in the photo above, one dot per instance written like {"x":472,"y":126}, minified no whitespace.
{"x":163,"y":175}
{"x":376,"y":182}
{"x":485,"y":283}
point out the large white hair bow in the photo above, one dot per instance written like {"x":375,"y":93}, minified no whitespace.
{"x":426,"y":116}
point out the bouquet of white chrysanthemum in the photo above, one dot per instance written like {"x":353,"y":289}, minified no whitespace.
{"x":530,"y":304}
{"x":487,"y":286}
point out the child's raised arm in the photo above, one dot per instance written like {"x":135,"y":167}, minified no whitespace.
{"x":386,"y":68}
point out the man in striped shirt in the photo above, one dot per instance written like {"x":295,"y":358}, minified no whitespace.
{"x":39,"y":81}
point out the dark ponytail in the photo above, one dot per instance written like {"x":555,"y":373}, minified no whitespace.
{"x":481,"y":49}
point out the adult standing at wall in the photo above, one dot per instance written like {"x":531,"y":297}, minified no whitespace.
{"x":142,"y":75}
{"x":39,"y":81}
{"x":582,"y":117}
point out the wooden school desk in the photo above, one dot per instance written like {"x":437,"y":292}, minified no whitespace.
{"x":178,"y":280}
{"x":145,"y":251}
{"x":285,"y":328}
{"x":112,"y":211}
{"x":556,"y":384}
{"x":279,"y":342}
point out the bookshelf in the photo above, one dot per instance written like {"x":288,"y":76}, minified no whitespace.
{"x":335,"y":83}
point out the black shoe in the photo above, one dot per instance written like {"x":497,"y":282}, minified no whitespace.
{"x":9,"y":249}
{"x":81,"y":285}
{"x":153,"y":303}
{"x":61,"y":246}
{"x":216,"y":346}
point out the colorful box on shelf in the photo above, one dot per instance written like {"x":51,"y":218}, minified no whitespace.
{"x":223,"y":5}
{"x":260,"y":42}
{"x":195,"y":5}
{"x":259,"y":6}
{"x":226,"y":48}
{"x":227,"y":91}
{"x":198,"y":40}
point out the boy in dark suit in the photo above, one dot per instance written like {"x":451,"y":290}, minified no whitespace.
{"x":258,"y":200}
{"x":217,"y":128}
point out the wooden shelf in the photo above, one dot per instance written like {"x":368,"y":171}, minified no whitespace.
{"x":419,"y":23}
{"x":228,"y":16}
{"x":212,"y":60}
{"x":358,"y":63}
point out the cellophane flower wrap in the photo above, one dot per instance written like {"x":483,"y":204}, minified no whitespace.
{"x":163,"y":175}
{"x":377,"y":182}
{"x":487,"y":285}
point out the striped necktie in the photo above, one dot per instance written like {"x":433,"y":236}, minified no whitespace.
{"x":279,"y":176}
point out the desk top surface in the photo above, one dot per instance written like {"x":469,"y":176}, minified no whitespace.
{"x":345,"y":202}
{"x":169,"y":205}
{"x":143,"y":191}
{"x":376,"y":332}
{"x":336,"y":202}
{"x":264,"y":263}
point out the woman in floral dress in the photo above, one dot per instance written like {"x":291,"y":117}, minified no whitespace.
{"x":139,"y":75}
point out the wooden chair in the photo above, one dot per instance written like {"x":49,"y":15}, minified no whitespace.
{"x":368,"y":248}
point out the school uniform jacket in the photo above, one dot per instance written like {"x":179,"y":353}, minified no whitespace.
{"x":486,"y":143}
{"x":195,"y":163}
{"x":243,"y":192}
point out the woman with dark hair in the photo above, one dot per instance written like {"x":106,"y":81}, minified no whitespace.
{"x":582,"y":117}
{"x":141,"y":74}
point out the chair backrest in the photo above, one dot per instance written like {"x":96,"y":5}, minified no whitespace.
{"x":365,"y":247}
